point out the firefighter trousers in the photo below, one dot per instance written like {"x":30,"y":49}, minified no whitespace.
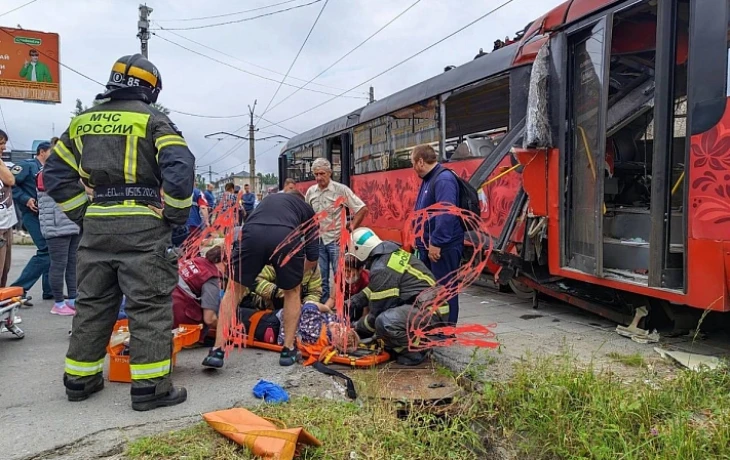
{"x":392,"y":325}
{"x":141,"y":266}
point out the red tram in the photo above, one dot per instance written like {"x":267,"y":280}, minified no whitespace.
{"x":599,"y":141}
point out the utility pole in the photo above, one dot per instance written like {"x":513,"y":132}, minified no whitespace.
{"x":372,"y":95}
{"x":251,"y":149}
{"x":210,"y":174}
{"x":144,"y":29}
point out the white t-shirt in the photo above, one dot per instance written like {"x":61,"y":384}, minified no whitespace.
{"x":8,"y":218}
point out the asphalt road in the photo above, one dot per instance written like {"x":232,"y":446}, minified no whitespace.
{"x":36,"y":416}
{"x":39,"y":423}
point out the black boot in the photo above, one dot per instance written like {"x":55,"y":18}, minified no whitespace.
{"x":411,"y":358}
{"x":79,"y":391}
{"x":162,"y":395}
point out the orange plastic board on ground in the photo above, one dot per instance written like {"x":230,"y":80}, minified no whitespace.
{"x":262,"y":437}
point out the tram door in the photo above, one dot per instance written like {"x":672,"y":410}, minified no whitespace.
{"x":338,"y":154}
{"x":585,"y":148}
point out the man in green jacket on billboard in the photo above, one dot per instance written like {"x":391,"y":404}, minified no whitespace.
{"x":35,"y":70}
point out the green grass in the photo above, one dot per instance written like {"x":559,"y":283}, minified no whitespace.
{"x":632,"y":360}
{"x":550,"y":408}
{"x":373,"y":431}
{"x":553,"y":409}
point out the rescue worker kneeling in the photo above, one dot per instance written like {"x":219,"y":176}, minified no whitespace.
{"x":267,"y":296}
{"x":397,"y":278}
{"x":196,"y":298}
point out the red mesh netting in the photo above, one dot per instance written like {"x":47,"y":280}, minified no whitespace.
{"x":421,"y":337}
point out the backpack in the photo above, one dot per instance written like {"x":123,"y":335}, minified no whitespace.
{"x":468,"y":198}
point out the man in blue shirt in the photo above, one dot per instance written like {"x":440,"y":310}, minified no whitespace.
{"x":25,"y":196}
{"x":442,"y":244}
{"x":198,"y":212}
{"x":249,"y":200}
{"x":209,"y":196}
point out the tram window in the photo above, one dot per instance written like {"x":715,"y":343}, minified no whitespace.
{"x":727,"y":87}
{"x":477,"y":118}
{"x":299,"y":162}
{"x":412,"y":126}
{"x":370,"y":145}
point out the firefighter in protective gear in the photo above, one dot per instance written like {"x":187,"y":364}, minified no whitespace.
{"x":127,"y":152}
{"x":397,"y":280}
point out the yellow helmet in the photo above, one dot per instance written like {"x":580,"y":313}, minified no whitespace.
{"x":135,"y":71}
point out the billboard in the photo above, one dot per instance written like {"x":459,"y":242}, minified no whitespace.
{"x":29,"y":68}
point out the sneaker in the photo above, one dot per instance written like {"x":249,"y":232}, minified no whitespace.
{"x":71,"y":303}
{"x":62,"y":310}
{"x":215,"y":358}
{"x":289,"y":357}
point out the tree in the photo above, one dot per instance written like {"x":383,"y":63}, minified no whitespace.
{"x":79,"y":108}
{"x":268,"y":179}
{"x":161,"y":108}
{"x":200,"y":182}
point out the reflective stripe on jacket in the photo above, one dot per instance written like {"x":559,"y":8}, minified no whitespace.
{"x":115,"y":143}
{"x":396,"y":278}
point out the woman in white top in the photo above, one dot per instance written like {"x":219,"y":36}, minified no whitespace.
{"x":8,"y":217}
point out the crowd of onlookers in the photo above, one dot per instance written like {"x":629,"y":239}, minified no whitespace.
{"x":383,"y":283}
{"x":23,"y":201}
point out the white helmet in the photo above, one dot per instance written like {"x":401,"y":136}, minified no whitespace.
{"x":362,"y":242}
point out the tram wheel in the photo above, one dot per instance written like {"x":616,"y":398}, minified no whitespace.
{"x":521,"y":290}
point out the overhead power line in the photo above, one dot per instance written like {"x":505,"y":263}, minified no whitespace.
{"x":241,"y":128}
{"x":237,"y":21}
{"x":227,"y":64}
{"x":247,"y":62}
{"x":306,"y":39}
{"x":18,"y":7}
{"x":241,"y":165}
{"x":350,"y":52}
{"x":461,"y":29}
{"x":225,"y":15}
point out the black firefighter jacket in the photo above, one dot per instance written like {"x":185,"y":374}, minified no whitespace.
{"x":396,"y":278}
{"x":121,"y":143}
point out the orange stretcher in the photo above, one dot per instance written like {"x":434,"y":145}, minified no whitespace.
{"x":322,"y":351}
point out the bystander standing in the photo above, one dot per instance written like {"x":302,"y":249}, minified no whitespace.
{"x":322,"y":196}
{"x":25,"y":196}
{"x":8,"y":218}
{"x":442,"y":243}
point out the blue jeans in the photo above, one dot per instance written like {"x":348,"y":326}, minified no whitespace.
{"x":39,"y":264}
{"x":449,"y":262}
{"x":328,"y":255}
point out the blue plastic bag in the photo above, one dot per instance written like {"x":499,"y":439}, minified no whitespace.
{"x":122,"y":313}
{"x":270,"y":392}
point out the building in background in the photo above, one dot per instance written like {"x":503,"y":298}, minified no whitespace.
{"x":238,"y":179}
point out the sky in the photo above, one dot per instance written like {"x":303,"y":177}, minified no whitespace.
{"x":94,"y":33}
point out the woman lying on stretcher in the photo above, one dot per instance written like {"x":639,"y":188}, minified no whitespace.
{"x":314,"y":315}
